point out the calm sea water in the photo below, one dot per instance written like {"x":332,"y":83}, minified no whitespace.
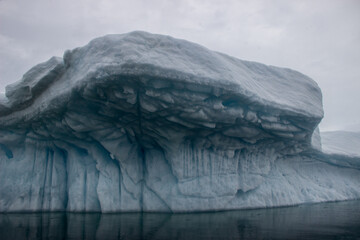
{"x":339,"y":220}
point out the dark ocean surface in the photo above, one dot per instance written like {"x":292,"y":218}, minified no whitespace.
{"x":337,"y":220}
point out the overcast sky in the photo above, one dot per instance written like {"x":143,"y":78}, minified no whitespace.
{"x":318,"y":38}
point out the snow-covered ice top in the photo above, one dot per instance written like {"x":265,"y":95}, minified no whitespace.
{"x":141,"y":53}
{"x":223,"y":89}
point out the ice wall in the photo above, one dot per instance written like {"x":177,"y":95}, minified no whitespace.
{"x":144,"y":122}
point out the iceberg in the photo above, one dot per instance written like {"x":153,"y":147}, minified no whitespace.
{"x":341,"y":143}
{"x":146,"y":122}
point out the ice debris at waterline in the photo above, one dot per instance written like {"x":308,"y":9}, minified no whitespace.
{"x":144,"y":122}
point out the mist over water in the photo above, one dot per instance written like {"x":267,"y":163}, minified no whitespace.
{"x":312,"y":221}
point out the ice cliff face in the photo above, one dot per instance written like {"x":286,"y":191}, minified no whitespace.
{"x":143,"y":122}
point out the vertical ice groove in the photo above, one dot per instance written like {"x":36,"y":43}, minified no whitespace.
{"x":32,"y":176}
{"x":64,"y":164}
{"x":84,"y":190}
{"x":51,"y":179}
{"x":44,"y":181}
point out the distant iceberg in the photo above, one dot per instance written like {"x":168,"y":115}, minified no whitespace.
{"x":145,"y":122}
{"x":341,"y":143}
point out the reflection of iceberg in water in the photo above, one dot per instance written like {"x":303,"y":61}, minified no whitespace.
{"x":326,"y":220}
